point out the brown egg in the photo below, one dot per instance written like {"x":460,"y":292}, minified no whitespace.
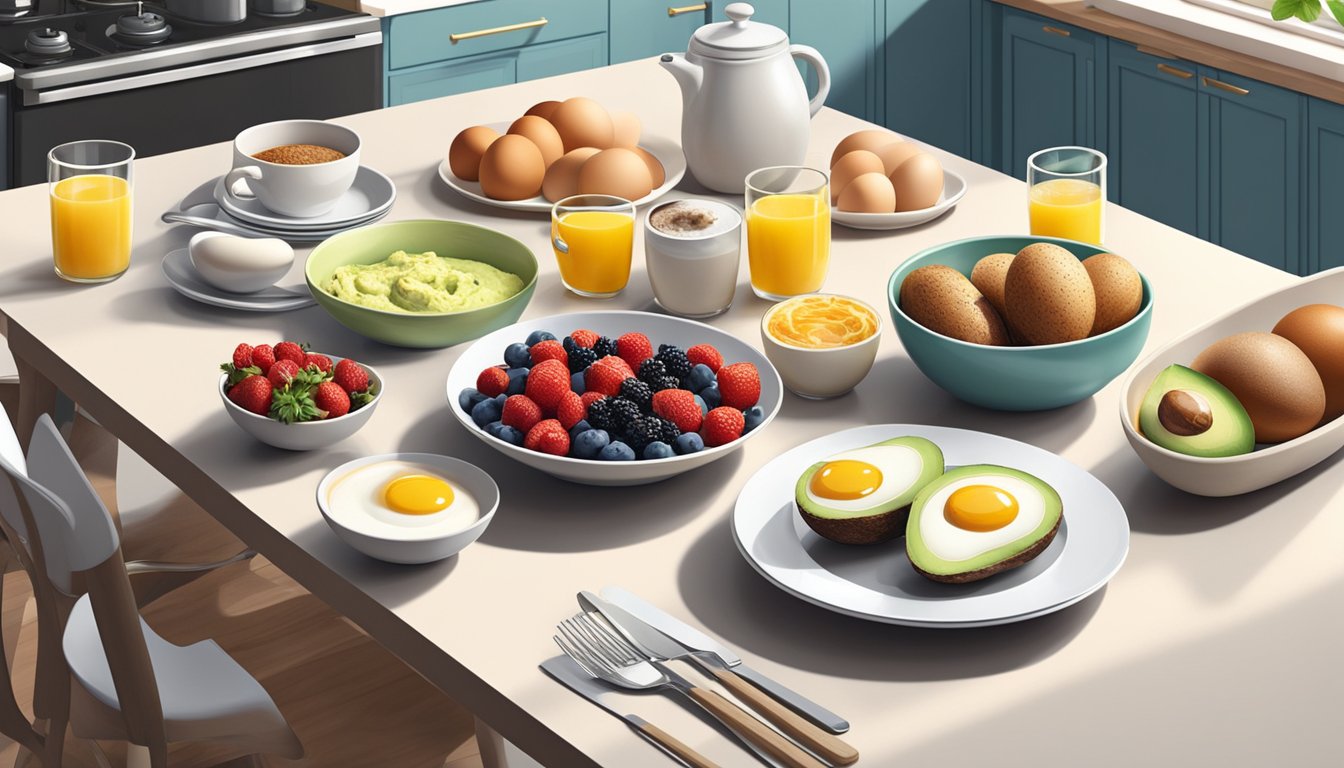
{"x":656,"y":170}
{"x":871,"y":140}
{"x":625,"y":129}
{"x":849,"y":167}
{"x":1272,"y":379}
{"x":894,"y":154}
{"x":1118,"y":288}
{"x":616,"y":171}
{"x":868,"y":193}
{"x":562,"y":178}
{"x":1318,"y":330}
{"x":988,"y":276}
{"x":583,"y":123}
{"x":464,"y":155}
{"x":543,"y":109}
{"x":1048,"y":295}
{"x":941,"y":299}
{"x":541,"y":133}
{"x":918,"y":182}
{"x":512,"y":169}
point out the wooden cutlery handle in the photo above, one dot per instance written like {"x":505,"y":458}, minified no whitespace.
{"x":754,"y":730}
{"x":827,"y":745}
{"x":676,"y":746}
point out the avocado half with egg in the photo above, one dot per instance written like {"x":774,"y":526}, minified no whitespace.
{"x":862,"y":496}
{"x":1190,"y":413}
{"x":979,"y":520}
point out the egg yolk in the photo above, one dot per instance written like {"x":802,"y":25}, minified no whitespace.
{"x":418,"y":495}
{"x":980,"y":508}
{"x":845,"y":480}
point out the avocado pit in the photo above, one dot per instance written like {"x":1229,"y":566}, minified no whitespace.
{"x":1185,"y":413}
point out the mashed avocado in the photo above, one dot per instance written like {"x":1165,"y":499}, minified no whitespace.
{"x":422,"y":282}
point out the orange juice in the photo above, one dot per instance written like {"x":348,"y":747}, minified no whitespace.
{"x":91,"y":226}
{"x":599,"y":247}
{"x":789,"y":243}
{"x":821,"y":322}
{"x":1068,"y":208}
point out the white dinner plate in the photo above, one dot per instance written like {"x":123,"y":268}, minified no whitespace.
{"x":184,"y":278}
{"x":370,"y":196}
{"x":954,"y":188}
{"x":667,"y":152}
{"x":877,"y":582}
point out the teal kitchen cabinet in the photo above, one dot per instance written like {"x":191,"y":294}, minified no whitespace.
{"x":642,"y":28}
{"x":1325,"y":185}
{"x":845,"y":32}
{"x":930,"y":71}
{"x":1051,"y":90}
{"x":493,"y":69}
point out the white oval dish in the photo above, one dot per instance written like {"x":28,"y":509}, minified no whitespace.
{"x":239,"y":264}
{"x":954,"y":188}
{"x":308,"y":435}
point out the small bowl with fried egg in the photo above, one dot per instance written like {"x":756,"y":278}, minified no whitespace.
{"x":823,"y":345}
{"x":408,"y":508}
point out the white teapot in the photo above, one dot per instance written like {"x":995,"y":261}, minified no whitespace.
{"x":744,"y":104}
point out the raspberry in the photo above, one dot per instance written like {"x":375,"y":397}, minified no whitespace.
{"x":580,"y":358}
{"x":674,"y":360}
{"x":571,"y":410}
{"x":603,"y":378}
{"x":637,"y":392}
{"x":547,"y":382}
{"x":492,"y":382}
{"x":722,"y":426}
{"x":242,"y":356}
{"x":634,"y":348}
{"x":651,"y":370}
{"x":705,"y":354}
{"x":584,"y":338}
{"x":617,"y":363}
{"x":320,"y":362}
{"x":548,"y":350}
{"x":548,"y":436}
{"x":604,"y":346}
{"x":282,"y":373}
{"x":263,"y":357}
{"x":353,"y":378}
{"x":679,"y":407}
{"x":521,"y":413}
{"x":739,"y":385}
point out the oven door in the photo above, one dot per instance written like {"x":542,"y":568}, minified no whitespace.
{"x":199,"y":104}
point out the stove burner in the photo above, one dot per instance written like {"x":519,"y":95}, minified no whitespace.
{"x":140,"y":29}
{"x":47,"y":42}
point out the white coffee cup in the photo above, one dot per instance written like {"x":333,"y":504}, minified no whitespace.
{"x":693,"y":272}
{"x":301,"y":191}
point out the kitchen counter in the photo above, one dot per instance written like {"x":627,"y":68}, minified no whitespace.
{"x":395,"y":7}
{"x":6,"y":74}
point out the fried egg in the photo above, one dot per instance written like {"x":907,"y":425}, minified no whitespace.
{"x":973,"y":515}
{"x":865,"y":478}
{"x":403,"y":494}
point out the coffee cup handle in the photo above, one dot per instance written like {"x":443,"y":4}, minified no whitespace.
{"x":237,"y":174}
{"x":560,"y":244}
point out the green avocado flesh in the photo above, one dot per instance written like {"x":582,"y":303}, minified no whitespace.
{"x":1003,"y":556}
{"x":883,"y":520}
{"x":1187,"y":412}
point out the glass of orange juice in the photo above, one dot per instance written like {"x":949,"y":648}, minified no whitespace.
{"x":593,"y":237}
{"x":788,"y":230}
{"x":90,"y":187}
{"x":1067,"y":193}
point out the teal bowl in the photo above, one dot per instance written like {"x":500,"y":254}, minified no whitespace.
{"x":1015,"y":378}
{"x":423,"y":330}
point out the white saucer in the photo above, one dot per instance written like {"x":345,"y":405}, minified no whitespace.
{"x":177,"y":267}
{"x":371,"y":195}
{"x":954,"y":188}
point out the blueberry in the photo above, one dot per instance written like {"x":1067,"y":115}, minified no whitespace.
{"x":704,"y":407}
{"x":578,"y":429}
{"x":658,"y":450}
{"x":616,"y":451}
{"x":511,"y":435}
{"x":486,"y":411}
{"x":537,"y":337}
{"x":517,"y":356}
{"x":711,"y":396}
{"x":689,"y":442}
{"x":752,"y":417}
{"x":592,"y":444}
{"x":576,"y":381}
{"x":699,"y":377}
{"x":492,"y":429}
{"x":501,"y":398}
{"x":517,"y":381}
{"x":468,"y":398}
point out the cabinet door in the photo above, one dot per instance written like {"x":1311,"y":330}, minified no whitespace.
{"x":1255,"y":168}
{"x":641,"y":28}
{"x":1155,"y":137}
{"x":1049,"y":83}
{"x":489,"y":26}
{"x":493,"y":69}
{"x":845,"y":33}
{"x":927,"y":71}
{"x":537,"y":61}
{"x":1325,"y":186}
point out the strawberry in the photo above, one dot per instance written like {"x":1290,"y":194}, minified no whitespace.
{"x":352,"y":377}
{"x":549,"y":349}
{"x":570,"y":410}
{"x":617,"y":363}
{"x":282,"y":373}
{"x":320,"y":362}
{"x":589,"y":398}
{"x":547,"y":437}
{"x":584,"y":338}
{"x":547,"y":382}
{"x":263,"y":357}
{"x":678,"y":406}
{"x":242,"y":356}
{"x":722,"y":425}
{"x":634,"y":348}
{"x":705,"y":354}
{"x":739,"y":385}
{"x":605,"y":379}
{"x":331,"y":399}
{"x":492,"y":381}
{"x":288,"y":350}
{"x":521,"y":413}
{"x":252,"y":394}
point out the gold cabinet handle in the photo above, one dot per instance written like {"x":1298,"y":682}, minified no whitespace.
{"x":1057,"y":31}
{"x":672,"y":12}
{"x":1181,"y":73}
{"x":1220,"y":85}
{"x":458,"y":37}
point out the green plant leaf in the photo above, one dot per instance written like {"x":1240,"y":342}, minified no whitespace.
{"x":288,"y":407}
{"x":1306,"y":10}
{"x":1336,"y":9}
{"x":238,"y":374}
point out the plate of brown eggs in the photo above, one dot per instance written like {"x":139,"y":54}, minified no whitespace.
{"x":880,"y":180}
{"x":558,"y":149}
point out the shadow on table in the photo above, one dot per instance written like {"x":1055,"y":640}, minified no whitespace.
{"x":733,"y":602}
{"x":394,"y":584}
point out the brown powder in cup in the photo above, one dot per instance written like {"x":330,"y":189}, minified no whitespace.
{"x":681,"y":218}
{"x":299,"y":154}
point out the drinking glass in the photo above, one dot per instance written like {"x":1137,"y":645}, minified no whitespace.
{"x":1067,"y":193}
{"x":90,"y":188}
{"x":593,"y":237}
{"x":788,"y":230}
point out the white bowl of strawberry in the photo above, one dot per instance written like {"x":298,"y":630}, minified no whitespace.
{"x":613,"y":398}
{"x":289,"y":397}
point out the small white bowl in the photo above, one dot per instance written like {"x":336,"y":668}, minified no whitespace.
{"x":239,"y":264}
{"x":307,"y":435}
{"x":819,"y":374}
{"x":410,"y":544}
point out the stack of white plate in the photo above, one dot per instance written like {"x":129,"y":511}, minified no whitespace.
{"x":368,"y":200}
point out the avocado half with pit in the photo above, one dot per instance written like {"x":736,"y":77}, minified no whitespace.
{"x":979,"y":520}
{"x":862,"y":496}
{"x":1190,"y":413}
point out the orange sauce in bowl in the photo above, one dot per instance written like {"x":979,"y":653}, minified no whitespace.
{"x":821,"y":322}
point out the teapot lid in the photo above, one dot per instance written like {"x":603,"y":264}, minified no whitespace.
{"x":738,"y":38}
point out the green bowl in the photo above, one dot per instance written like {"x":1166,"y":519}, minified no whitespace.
{"x":424,"y":330}
{"x":1015,"y":378}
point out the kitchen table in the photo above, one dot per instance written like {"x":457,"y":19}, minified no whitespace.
{"x":1217,"y":643}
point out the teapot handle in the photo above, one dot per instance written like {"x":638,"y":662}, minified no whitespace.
{"x":812,"y":56}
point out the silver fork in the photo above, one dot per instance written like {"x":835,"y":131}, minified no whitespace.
{"x":594,"y":647}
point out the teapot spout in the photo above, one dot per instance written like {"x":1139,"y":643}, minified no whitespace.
{"x":688,"y":75}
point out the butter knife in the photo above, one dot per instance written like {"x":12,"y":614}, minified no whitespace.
{"x":698,"y":641}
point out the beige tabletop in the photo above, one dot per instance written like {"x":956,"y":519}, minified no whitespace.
{"x":1217,"y":643}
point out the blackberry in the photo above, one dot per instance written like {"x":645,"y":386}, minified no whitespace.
{"x":637,"y":392}
{"x":668,"y":431}
{"x":623,"y":412}
{"x":580,"y":359}
{"x":665,"y":382}
{"x":568,"y":343}
{"x":674,"y":360}
{"x":651,"y":370}
{"x":603,"y":347}
{"x":599,"y":415}
{"x":642,"y":431}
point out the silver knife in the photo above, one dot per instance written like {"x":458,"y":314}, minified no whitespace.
{"x":698,"y":641}
{"x":568,"y":674}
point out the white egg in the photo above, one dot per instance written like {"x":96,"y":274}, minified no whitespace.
{"x":239,"y":264}
{"x":362,"y":494}
{"x":900,"y":467}
{"x":948,"y":542}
